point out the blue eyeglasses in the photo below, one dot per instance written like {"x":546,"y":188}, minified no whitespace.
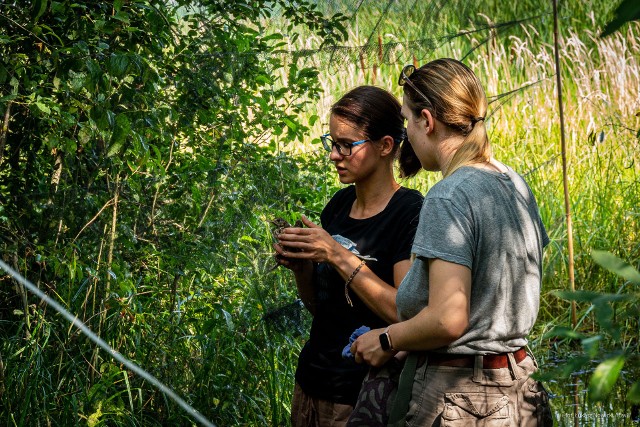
{"x":344,"y":148}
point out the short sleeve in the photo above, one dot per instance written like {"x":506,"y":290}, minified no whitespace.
{"x":445,"y":232}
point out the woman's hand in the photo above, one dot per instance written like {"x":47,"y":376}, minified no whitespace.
{"x":367,"y":349}
{"x":298,"y":266}
{"x":311,"y":243}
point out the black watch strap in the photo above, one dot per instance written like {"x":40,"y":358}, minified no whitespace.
{"x":385,"y":341}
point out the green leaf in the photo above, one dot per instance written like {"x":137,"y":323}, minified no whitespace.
{"x":8,"y":98}
{"x":273,"y":37}
{"x":264,"y":79}
{"x":229,"y":320}
{"x":84,"y":135}
{"x":290,"y":124}
{"x":119,"y":135}
{"x":604,"y":317}
{"x":563,"y":332}
{"x":591,"y":345}
{"x":94,"y":418}
{"x":604,"y":377}
{"x":616,"y":265}
{"x":118,"y":65}
{"x":580,"y":296}
{"x":43,"y":107}
{"x":39,"y":8}
{"x":114,"y":149}
{"x":627,"y":11}
{"x":633,"y":395}
{"x":122,"y":17}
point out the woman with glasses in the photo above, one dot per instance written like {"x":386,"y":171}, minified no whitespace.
{"x":348,"y":269}
{"x":473,"y":291}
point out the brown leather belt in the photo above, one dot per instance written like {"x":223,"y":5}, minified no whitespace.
{"x":489,"y":361}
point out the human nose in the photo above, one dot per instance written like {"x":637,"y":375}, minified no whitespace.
{"x":335,"y":155}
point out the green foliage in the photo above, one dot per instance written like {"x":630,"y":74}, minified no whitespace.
{"x":612,"y":327}
{"x":627,"y":10}
{"x":616,"y":265}
{"x":142,"y":154}
{"x":148,"y":144}
{"x":604,"y":377}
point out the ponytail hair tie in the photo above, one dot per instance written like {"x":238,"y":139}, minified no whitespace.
{"x":403,"y":137}
{"x":475,"y":120}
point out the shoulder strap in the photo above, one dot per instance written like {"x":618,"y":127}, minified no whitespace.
{"x":400,"y":405}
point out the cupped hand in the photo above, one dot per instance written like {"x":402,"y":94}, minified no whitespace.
{"x":366,"y":348}
{"x":309,"y":243}
{"x":293,"y":264}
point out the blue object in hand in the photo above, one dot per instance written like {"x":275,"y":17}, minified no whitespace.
{"x":346,"y":351}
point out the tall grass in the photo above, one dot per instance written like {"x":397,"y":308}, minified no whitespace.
{"x":602,"y":81}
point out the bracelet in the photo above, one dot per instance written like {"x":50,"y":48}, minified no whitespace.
{"x":350,"y":279}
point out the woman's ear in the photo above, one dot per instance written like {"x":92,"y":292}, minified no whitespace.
{"x":429,"y":120}
{"x":386,"y":145}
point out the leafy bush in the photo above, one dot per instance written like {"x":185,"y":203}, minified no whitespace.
{"x":140,"y":158}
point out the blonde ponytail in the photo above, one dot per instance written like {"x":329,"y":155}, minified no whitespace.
{"x":475,"y":148}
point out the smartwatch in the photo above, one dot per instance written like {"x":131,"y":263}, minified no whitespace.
{"x":385,"y":341}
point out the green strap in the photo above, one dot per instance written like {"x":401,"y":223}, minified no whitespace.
{"x":403,"y":395}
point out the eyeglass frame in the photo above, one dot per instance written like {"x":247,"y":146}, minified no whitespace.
{"x":404,"y":78}
{"x":329,"y":148}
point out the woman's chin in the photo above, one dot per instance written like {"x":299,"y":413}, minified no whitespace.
{"x":345,"y":177}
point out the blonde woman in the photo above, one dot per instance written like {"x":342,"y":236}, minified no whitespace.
{"x":472,"y":294}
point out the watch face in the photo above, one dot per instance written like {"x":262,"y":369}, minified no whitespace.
{"x":384,"y":342}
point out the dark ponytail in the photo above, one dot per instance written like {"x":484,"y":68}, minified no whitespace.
{"x":409,"y":163}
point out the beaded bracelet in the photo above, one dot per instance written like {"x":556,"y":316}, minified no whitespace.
{"x":350,"y":279}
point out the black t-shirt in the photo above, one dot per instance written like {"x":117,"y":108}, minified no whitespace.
{"x":383,"y":240}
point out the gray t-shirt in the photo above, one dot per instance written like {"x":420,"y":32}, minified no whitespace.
{"x":489,"y":222}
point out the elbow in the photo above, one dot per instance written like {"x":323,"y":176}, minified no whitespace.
{"x":391,"y":314}
{"x":453,"y":328}
{"x":453,"y":319}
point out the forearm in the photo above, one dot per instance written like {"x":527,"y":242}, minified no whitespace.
{"x":440,"y":323}
{"x":420,"y":333}
{"x":376,"y":294}
{"x":315,"y":244}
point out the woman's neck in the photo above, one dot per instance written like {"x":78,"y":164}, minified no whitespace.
{"x":448,"y":148}
{"x":372,"y":197}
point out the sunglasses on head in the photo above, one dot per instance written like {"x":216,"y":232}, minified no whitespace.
{"x":405,"y":75}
